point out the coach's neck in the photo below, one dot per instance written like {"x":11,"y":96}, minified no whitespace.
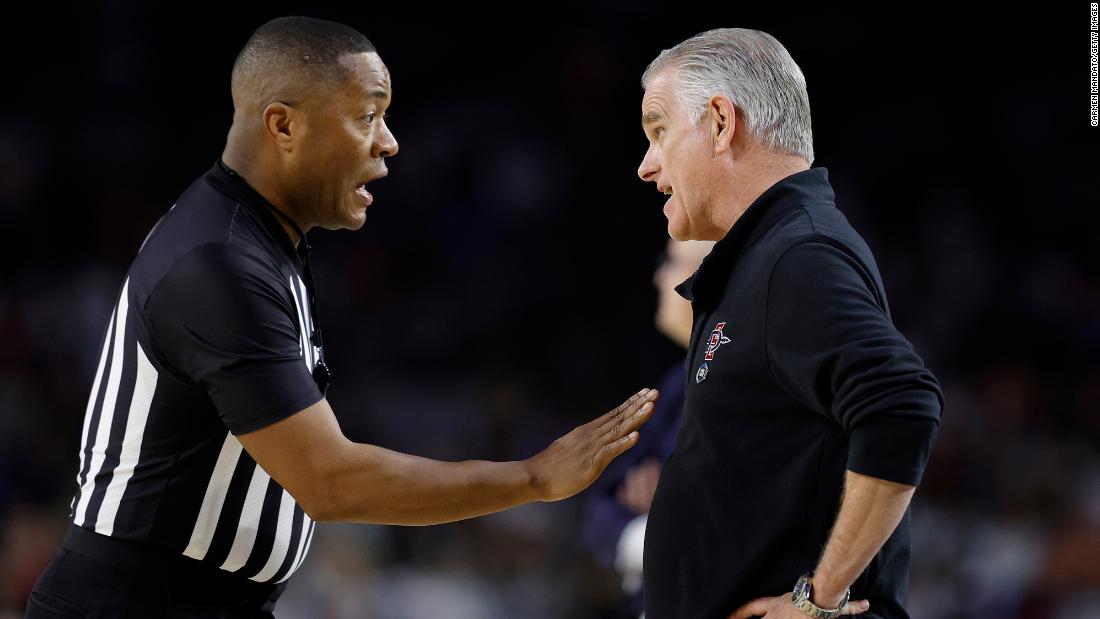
{"x":749,"y":172}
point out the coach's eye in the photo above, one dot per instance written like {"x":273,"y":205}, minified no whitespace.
{"x":370,"y":117}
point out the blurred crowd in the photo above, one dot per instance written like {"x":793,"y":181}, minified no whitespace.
{"x":501,"y":291}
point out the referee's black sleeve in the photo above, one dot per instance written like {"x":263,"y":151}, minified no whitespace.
{"x":831,"y":345}
{"x":221,"y":319}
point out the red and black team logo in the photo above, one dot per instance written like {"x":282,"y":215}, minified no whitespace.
{"x":717,"y":338}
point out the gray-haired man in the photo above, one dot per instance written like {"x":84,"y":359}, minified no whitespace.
{"x":801,"y":393}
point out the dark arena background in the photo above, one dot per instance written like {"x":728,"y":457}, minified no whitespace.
{"x":501,"y":289}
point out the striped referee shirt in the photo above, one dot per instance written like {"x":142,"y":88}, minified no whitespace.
{"x":208,"y":341}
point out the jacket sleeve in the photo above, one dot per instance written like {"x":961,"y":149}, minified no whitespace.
{"x":832,"y":346}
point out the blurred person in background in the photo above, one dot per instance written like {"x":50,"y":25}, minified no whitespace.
{"x":209,"y":450}
{"x":803,"y":395}
{"x":618,"y":504}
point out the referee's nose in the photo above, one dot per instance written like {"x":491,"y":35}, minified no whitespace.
{"x":385,"y":144}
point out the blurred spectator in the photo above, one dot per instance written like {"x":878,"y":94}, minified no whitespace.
{"x":617,"y":505}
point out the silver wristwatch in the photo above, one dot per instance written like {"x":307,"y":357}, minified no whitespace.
{"x":801,"y":599}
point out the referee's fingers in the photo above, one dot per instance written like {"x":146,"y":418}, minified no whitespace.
{"x":610,"y":416}
{"x":614,"y":449}
{"x":628,"y":422}
{"x":625,"y":410}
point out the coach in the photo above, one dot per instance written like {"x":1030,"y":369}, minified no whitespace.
{"x":801,"y":394}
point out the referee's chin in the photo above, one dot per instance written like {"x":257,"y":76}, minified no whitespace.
{"x":348,"y":221}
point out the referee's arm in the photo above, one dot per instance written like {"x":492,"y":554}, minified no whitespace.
{"x":337,"y":480}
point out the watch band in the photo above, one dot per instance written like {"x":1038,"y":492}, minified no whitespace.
{"x":801,"y":594}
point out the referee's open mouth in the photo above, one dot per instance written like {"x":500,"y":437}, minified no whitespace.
{"x":361,"y":189}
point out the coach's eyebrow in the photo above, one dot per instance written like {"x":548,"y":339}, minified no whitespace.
{"x":651,"y":117}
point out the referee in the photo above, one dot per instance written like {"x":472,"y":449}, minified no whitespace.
{"x":208,"y":450}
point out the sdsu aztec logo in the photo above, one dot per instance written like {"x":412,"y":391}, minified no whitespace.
{"x":717,"y":338}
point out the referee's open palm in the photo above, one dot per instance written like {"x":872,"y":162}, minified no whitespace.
{"x":571,"y":463}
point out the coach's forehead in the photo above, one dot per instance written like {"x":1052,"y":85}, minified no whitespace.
{"x":659,"y":101}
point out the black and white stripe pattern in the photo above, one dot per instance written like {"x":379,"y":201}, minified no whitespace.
{"x":117,"y":413}
{"x":247,"y":523}
{"x":267,"y":525}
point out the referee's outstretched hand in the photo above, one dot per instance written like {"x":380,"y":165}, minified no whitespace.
{"x":571,"y":463}
{"x":338,"y":480}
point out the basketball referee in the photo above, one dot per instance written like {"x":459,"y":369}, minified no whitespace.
{"x":208,"y":450}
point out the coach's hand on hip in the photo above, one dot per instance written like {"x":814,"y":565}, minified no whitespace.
{"x":575,"y":460}
{"x":781,"y":608}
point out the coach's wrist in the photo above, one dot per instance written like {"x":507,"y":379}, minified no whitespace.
{"x":827,"y":594}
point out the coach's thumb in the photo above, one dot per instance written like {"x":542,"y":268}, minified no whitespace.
{"x":755,"y":608}
{"x":857,"y":607}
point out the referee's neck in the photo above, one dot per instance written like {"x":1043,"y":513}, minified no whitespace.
{"x":264,"y":183}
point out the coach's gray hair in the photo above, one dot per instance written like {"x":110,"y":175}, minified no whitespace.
{"x":756,"y":72}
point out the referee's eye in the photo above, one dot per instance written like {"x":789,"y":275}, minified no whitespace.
{"x":370,"y":117}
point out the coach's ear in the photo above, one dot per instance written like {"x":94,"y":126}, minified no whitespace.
{"x":721,"y":120}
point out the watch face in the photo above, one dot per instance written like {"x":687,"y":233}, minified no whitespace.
{"x":802,"y":589}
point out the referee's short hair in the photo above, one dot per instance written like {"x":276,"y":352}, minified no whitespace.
{"x":304,"y":50}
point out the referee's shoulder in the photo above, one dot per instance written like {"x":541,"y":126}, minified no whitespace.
{"x":202,"y":214}
{"x":204,"y":237}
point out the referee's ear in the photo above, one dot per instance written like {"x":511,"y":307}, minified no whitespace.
{"x":281,"y":123}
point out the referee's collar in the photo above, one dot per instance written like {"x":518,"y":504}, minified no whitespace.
{"x":226,"y":180}
{"x":784,"y":197}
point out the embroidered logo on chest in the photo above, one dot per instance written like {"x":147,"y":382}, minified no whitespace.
{"x":717,"y":338}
